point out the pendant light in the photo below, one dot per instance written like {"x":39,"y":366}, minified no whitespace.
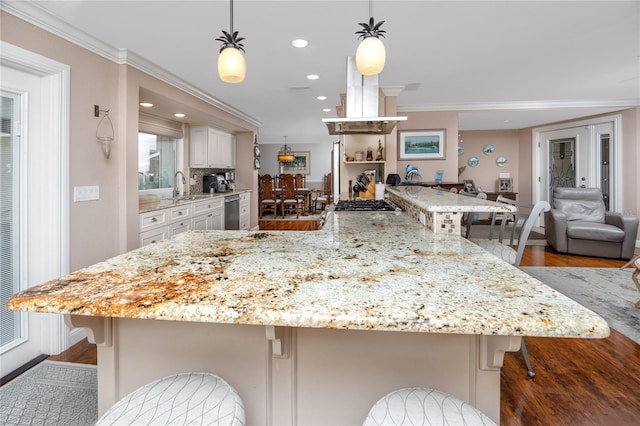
{"x":371,"y":55}
{"x":285,"y":155}
{"x":232,"y":66}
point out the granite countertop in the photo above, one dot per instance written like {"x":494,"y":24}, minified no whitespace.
{"x":368,"y":271}
{"x":435,"y":200}
{"x":154,"y":203}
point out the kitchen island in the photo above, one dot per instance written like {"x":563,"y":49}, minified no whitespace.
{"x":312,"y":327}
{"x":441,"y":211}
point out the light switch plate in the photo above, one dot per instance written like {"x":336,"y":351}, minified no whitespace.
{"x":86,"y":193}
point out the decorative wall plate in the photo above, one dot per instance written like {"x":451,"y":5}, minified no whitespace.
{"x":256,"y":150}
{"x":473,"y":161}
{"x":460,"y":150}
{"x":488,"y":149}
{"x":256,"y":163}
{"x":501,"y":161}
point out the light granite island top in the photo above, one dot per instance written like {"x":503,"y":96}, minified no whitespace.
{"x":299,"y":321}
{"x":441,"y":211}
{"x":368,"y":271}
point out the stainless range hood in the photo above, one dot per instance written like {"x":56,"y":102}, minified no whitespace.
{"x":362,"y":107}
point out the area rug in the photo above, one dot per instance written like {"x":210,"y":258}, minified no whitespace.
{"x":51,"y":393}
{"x":609,"y":292}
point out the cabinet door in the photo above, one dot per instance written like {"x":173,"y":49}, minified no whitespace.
{"x":213,"y":154}
{"x":226,"y":151}
{"x":217,"y":220}
{"x":199,"y":223}
{"x":179,"y":227}
{"x":153,"y":235}
{"x":198,"y":149}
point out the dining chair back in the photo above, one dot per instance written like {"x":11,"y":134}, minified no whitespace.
{"x":289,"y":196}
{"x":268,"y":199}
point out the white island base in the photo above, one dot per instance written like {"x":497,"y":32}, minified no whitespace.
{"x":298,"y":376}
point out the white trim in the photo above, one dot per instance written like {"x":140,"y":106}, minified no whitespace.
{"x":537,"y":151}
{"x":40,"y":17}
{"x":524,"y":105}
{"x":56,"y":118}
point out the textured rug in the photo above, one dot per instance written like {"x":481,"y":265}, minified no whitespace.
{"x":609,"y":292}
{"x":51,"y":393}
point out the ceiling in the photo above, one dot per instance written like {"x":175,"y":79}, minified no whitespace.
{"x":503,"y":65}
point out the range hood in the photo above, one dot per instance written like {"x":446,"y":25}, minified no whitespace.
{"x":362,"y":107}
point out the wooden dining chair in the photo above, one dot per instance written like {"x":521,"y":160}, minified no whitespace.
{"x":324,"y":196}
{"x":268,"y":199}
{"x":289,"y":196}
{"x":300,"y":180}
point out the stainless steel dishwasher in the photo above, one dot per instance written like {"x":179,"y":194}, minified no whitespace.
{"x":232,"y":212}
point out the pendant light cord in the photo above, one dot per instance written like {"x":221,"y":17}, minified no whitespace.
{"x":231,"y":17}
{"x":370,"y":8}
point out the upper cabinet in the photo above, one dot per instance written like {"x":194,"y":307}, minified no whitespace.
{"x":210,"y":148}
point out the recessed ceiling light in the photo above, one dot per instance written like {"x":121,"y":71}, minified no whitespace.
{"x":299,"y":42}
{"x":321,"y":98}
{"x":326,"y":109}
{"x":313,"y":76}
{"x":146,"y":104}
{"x":179,"y":115}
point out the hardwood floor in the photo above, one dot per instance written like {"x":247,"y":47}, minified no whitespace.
{"x":578,"y":381}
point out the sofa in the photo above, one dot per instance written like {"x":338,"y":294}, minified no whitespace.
{"x":578,"y":223}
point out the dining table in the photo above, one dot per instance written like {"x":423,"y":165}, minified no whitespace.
{"x":305,"y":193}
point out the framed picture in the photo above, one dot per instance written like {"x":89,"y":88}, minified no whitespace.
{"x":421,"y":145}
{"x":469,"y":186}
{"x":301,"y":163}
{"x":505,"y":185}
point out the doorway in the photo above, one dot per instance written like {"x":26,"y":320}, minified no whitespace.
{"x":587,"y":155}
{"x":35,"y":100}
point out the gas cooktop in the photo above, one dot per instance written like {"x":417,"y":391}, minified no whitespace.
{"x":364,"y":205}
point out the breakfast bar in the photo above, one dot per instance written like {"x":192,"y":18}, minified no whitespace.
{"x":441,"y":211}
{"x":312,"y":327}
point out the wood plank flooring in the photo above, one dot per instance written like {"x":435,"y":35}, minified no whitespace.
{"x":578,"y":381}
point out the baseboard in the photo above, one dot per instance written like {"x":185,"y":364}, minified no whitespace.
{"x":18,"y":371}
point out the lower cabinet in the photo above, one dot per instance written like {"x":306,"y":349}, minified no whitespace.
{"x":208,"y":221}
{"x":245,"y":215}
{"x":203,"y":215}
{"x":154,"y":235}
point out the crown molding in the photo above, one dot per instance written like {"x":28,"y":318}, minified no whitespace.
{"x":36,"y":15}
{"x":523,"y":105}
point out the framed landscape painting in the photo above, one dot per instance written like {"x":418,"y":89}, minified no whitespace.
{"x":421,"y":145}
{"x":301,"y":163}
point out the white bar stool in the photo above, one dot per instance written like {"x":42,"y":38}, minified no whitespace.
{"x":187,"y":398}
{"x":419,"y":406}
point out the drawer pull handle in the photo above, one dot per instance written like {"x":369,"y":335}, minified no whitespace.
{"x":179,"y":213}
{"x":154,"y":219}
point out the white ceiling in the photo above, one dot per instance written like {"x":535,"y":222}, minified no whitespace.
{"x":506,"y":65}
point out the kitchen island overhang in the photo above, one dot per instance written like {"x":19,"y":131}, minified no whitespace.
{"x":362,"y":274}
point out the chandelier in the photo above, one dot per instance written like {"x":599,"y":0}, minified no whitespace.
{"x":285,"y":155}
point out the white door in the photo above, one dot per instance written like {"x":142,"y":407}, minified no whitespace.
{"x":34,"y":229}
{"x":586,"y":155}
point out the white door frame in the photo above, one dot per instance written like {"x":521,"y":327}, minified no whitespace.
{"x":52,"y":229}
{"x":539,"y":151}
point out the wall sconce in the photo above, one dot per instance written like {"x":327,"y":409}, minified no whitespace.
{"x":104,"y":131}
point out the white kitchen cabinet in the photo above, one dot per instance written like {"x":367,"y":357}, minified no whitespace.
{"x":245,"y":215}
{"x":179,"y":227}
{"x":210,"y":148}
{"x":154,"y":235}
{"x":208,"y":214}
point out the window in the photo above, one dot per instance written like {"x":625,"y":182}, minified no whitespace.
{"x":156,"y":161}
{"x":160,"y":152}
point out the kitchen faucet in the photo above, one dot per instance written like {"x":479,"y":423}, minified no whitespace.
{"x":176,"y":191}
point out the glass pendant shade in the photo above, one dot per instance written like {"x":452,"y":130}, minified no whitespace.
{"x":370,"y":56}
{"x":232,"y":66}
